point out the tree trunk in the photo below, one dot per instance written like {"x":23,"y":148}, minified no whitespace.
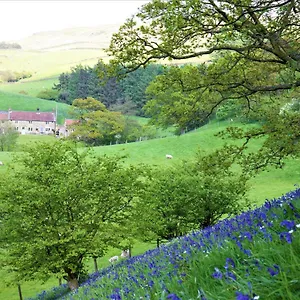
{"x":72,"y":280}
{"x":95,"y":264}
{"x":157,"y":243}
{"x":73,"y":283}
{"x":59,"y":281}
{"x":20,"y":292}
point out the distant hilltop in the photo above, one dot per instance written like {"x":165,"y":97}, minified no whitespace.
{"x":71,"y":38}
{"x":4,"y":45}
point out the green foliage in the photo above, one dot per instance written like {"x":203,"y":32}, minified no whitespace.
{"x":255,"y":62}
{"x":124,"y":95}
{"x":96,"y":125}
{"x":8,"y":137}
{"x":10,"y":76}
{"x":176,"y":101}
{"x":59,"y":207}
{"x":192,"y":195}
{"x":48,"y":94}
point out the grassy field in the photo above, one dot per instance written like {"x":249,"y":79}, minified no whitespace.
{"x":31,"y":87}
{"x":267,"y":185}
{"x":42,"y":64}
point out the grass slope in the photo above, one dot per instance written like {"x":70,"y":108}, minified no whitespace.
{"x":31,"y":87}
{"x":28,"y":103}
{"x":266,"y":185}
{"x":255,"y":255}
{"x":47,"y":64}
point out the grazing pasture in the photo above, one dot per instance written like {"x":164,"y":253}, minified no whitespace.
{"x":31,"y":87}
{"x":44,"y":64}
{"x":267,"y":185}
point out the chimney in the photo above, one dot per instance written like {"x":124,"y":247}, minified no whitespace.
{"x":38,"y":110}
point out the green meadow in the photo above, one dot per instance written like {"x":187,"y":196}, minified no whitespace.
{"x":45,"y":64}
{"x":30,"y":87}
{"x":270,"y":184}
{"x":45,"y":67}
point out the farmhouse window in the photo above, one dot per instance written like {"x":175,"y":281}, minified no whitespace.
{"x":30,"y":122}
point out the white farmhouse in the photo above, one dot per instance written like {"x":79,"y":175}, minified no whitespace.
{"x":29,"y":122}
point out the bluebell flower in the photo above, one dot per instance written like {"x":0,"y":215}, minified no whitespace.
{"x":287,"y":236}
{"x":229,"y":261}
{"x":288,"y":224}
{"x":217,"y":274}
{"x":173,"y":297}
{"x":274,"y":271}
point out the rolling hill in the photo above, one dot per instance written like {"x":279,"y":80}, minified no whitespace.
{"x":70,"y":38}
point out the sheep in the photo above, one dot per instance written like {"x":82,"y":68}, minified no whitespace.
{"x":169,"y":156}
{"x":114,"y":259}
{"x":1,"y":163}
{"x":125,"y":253}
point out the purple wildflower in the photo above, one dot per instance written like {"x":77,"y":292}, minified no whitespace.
{"x":173,"y":297}
{"x":217,"y":274}
{"x":287,"y":236}
{"x":274,"y":271}
{"x":288,"y":224}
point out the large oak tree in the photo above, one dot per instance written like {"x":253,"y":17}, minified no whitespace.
{"x":252,"y":48}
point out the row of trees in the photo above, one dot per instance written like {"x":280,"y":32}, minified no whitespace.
{"x":126,"y":95}
{"x":62,"y":205}
{"x":4,"y":45}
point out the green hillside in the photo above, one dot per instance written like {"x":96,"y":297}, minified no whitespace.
{"x":43,"y":64}
{"x":30,"y":87}
{"x":28,"y":103}
{"x":269,"y":184}
{"x":266,"y":185}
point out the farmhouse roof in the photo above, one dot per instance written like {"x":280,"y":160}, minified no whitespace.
{"x":32,"y":116}
{"x":3,"y":115}
{"x":69,"y":122}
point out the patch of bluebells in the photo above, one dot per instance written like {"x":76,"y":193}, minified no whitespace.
{"x":150,"y":274}
{"x":55,"y":293}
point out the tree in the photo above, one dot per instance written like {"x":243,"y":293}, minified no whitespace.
{"x":191,"y":195}
{"x":48,"y":94}
{"x":135,"y":84}
{"x":175,"y":101}
{"x":8,"y":137}
{"x":59,"y":206}
{"x":252,"y":50}
{"x":97,"y":125}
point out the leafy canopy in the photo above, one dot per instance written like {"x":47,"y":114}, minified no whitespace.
{"x":253,"y":57}
{"x":60,"y":206}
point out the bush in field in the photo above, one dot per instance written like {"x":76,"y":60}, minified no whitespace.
{"x":8,"y":137}
{"x":48,"y":94}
